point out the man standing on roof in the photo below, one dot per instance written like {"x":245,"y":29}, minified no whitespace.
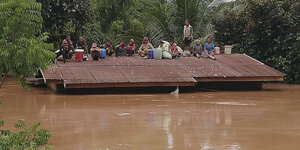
{"x":187,"y":36}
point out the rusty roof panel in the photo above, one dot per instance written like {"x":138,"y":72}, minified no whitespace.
{"x":52,"y":73}
{"x":137,"y":70}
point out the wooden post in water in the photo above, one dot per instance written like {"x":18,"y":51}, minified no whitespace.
{"x":2,"y":79}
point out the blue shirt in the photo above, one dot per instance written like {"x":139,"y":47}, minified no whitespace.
{"x":209,"y":47}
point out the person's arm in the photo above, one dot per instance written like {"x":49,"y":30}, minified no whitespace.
{"x":85,"y":46}
{"x":192,"y":32}
{"x":170,"y":49}
{"x":205,"y":45}
{"x":141,"y":48}
{"x":71,"y":43}
{"x":108,"y":47}
{"x":176,"y":49}
{"x":151,"y":46}
{"x":183,"y":32}
{"x":133,"y":47}
{"x":193,"y":49}
{"x":63,"y":44}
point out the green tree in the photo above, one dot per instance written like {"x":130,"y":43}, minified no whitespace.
{"x":23,"y":50}
{"x":65,"y":17}
{"x":109,"y":11}
{"x":158,"y":20}
{"x":119,"y":20}
{"x":165,"y":18}
{"x":193,"y":10}
{"x":28,"y":137}
{"x":267,"y":30}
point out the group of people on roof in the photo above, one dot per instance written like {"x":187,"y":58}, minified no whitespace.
{"x":169,"y":49}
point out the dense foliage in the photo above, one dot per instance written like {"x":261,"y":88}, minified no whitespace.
{"x":22,"y":45}
{"x":122,"y":20}
{"x":65,"y":17}
{"x":267,"y":30}
{"x":27,"y":138}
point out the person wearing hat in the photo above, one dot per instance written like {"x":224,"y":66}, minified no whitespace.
{"x":130,"y":47}
{"x":95,"y":52}
{"x":143,"y":50}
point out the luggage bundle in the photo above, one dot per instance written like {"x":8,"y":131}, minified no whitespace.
{"x":155,"y":54}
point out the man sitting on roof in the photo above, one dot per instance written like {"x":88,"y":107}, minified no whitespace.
{"x":173,"y":50}
{"x":209,"y":49}
{"x":109,"y":48}
{"x":68,"y":46}
{"x":95,"y":52}
{"x":197,"y":49}
{"x":66,"y":50}
{"x":143,"y":50}
{"x":121,"y":49}
{"x":130,"y":47}
{"x":81,"y":44}
{"x":164,"y":49}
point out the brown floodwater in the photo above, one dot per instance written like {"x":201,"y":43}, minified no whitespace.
{"x":243,"y":120}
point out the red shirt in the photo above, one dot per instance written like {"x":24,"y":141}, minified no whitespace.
{"x":67,"y":43}
{"x":131,"y":46}
{"x":122,"y":46}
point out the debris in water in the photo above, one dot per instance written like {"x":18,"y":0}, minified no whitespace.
{"x":176,"y":91}
{"x":124,"y":114}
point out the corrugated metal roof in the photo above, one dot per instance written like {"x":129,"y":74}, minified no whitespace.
{"x":129,"y":70}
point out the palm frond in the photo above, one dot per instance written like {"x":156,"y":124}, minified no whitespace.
{"x":158,"y":23}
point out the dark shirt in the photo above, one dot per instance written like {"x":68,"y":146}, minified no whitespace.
{"x":121,"y":46}
{"x":82,"y":45}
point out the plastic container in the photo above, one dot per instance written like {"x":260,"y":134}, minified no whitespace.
{"x":102,"y":53}
{"x":228,"y":49}
{"x":79,"y":55}
{"x":217,"y":50}
{"x":157,"y":53}
{"x":150,"y":54}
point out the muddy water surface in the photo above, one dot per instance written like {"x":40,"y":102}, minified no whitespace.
{"x":259,"y":120}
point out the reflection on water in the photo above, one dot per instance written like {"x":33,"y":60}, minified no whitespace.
{"x":267,"y":119}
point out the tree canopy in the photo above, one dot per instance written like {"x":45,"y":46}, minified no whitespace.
{"x":22,"y":45}
{"x":265,"y":30}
